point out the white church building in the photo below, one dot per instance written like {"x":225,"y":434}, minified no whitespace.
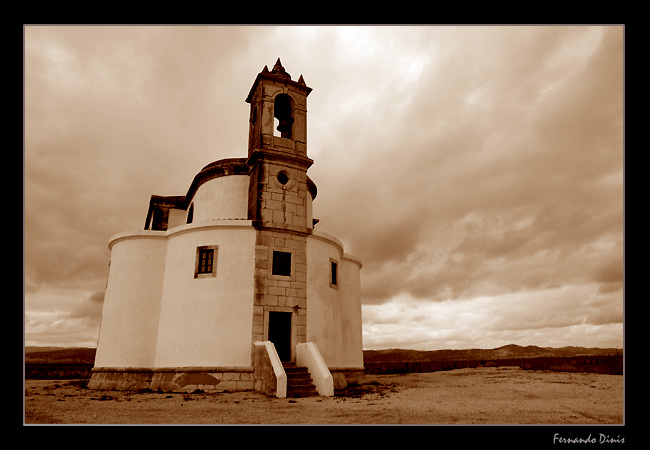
{"x":230,"y":286}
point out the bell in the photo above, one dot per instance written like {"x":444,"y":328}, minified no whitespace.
{"x":284,"y":127}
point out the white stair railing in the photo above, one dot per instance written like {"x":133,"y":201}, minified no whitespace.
{"x":271,"y":355}
{"x":307,"y":355}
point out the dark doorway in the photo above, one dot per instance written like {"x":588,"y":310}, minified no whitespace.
{"x":280,"y":333}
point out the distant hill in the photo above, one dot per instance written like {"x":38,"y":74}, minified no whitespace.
{"x":506,"y":352}
{"x":59,"y":355}
{"x":84,"y":355}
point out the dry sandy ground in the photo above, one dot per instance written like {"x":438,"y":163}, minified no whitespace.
{"x":497,"y":395}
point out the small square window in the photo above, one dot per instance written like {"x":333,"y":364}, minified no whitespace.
{"x":206,"y":257}
{"x":281,"y":263}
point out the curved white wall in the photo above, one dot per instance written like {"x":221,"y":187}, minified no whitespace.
{"x":222,"y":198}
{"x":351,"y":320}
{"x":333,"y":315}
{"x":207,"y":321}
{"x":157,"y":314}
{"x":129,"y":326}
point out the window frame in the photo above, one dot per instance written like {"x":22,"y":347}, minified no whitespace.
{"x":291,"y":277}
{"x":291,"y":263}
{"x":203,"y":249}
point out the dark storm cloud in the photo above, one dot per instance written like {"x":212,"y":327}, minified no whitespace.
{"x":107,"y":110}
{"x":529,"y":166}
{"x":91,"y":308}
{"x":111,"y":115}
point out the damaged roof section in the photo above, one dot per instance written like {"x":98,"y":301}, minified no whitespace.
{"x":159,"y":206}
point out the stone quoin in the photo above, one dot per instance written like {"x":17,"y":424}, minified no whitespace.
{"x":231,"y":284}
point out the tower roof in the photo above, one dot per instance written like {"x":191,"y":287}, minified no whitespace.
{"x":278,"y":74}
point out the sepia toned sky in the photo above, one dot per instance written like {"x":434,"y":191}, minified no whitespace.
{"x":478,"y":171}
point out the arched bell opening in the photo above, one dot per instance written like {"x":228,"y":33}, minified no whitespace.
{"x":283,"y":116}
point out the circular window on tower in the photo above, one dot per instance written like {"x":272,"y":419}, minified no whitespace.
{"x":283,"y":177}
{"x":284,"y":180}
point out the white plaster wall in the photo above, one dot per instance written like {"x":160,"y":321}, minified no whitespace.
{"x":222,"y":198}
{"x":176,"y":218}
{"x":207,"y":321}
{"x":129,"y":326}
{"x":333,"y":315}
{"x":351,"y":321}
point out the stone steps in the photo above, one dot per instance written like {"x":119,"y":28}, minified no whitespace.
{"x":299,"y":382}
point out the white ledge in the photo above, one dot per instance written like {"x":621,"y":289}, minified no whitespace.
{"x":353,"y":259}
{"x":163,"y":234}
{"x":332,"y":240}
{"x":221,"y":223}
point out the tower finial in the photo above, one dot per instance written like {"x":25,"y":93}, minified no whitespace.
{"x":279,"y":70}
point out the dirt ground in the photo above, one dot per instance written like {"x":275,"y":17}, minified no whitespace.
{"x":496,"y":395}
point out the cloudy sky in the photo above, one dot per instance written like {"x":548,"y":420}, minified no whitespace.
{"x":477,"y":171}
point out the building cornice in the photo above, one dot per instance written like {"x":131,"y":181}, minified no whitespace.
{"x":334,"y":241}
{"x":190,"y":227}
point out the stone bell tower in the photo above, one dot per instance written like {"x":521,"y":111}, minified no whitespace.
{"x":277,"y":150}
{"x":279,"y":205}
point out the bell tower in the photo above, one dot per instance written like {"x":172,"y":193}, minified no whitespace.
{"x":279,"y":206}
{"x":277,"y":151}
{"x":278,"y":115}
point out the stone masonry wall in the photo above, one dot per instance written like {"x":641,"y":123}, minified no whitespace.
{"x":278,"y":203}
{"x":276,"y":292}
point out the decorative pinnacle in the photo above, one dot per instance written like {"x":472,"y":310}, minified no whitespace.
{"x":281,"y":76}
{"x":279,"y":70}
